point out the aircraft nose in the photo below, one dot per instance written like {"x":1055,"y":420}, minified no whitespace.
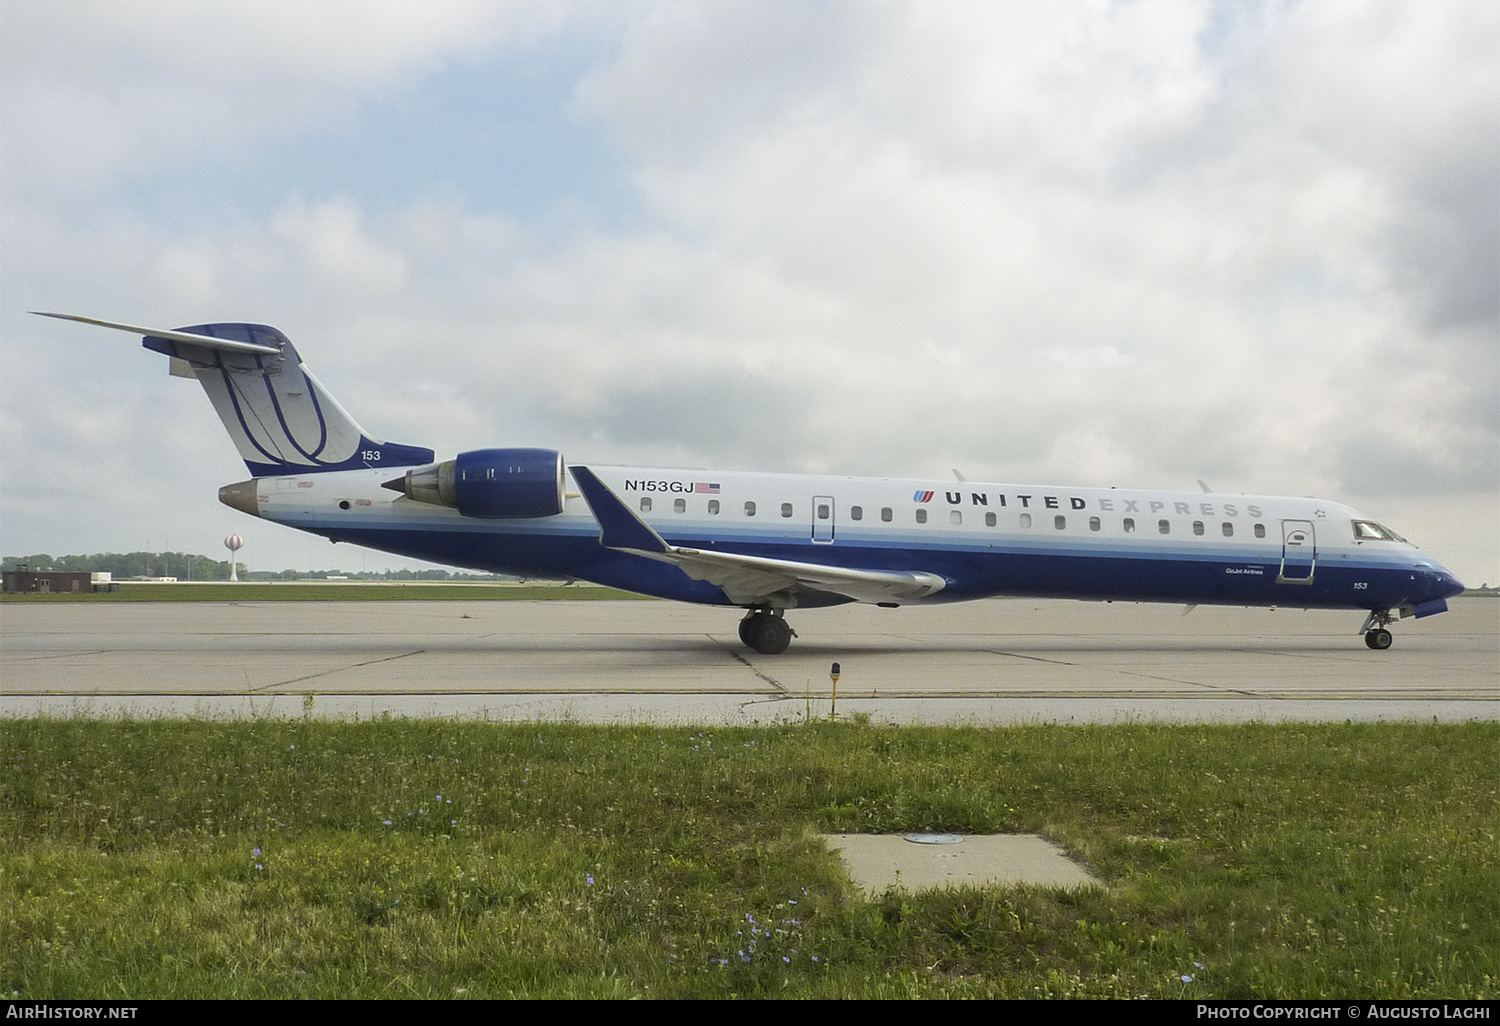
{"x":1449,"y":584}
{"x":1440,"y":584}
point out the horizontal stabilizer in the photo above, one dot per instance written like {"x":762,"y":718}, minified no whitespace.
{"x":281,"y":418}
{"x":223,"y":345}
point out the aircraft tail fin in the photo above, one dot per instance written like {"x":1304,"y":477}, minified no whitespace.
{"x":281,"y":418}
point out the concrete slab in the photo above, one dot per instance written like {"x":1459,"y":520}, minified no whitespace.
{"x":982,"y":662}
{"x":879,"y":861}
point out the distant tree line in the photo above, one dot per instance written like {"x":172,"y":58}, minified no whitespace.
{"x":187,"y":567}
{"x":125,"y":565}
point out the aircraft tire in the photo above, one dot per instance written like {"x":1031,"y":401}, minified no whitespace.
{"x":747,"y":637}
{"x":770,"y":635}
{"x":1379,"y":639}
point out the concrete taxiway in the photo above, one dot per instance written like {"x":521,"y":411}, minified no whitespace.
{"x":983,"y":662}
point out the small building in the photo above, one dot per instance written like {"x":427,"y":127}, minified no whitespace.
{"x":47,"y":583}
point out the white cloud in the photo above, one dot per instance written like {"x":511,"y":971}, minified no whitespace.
{"x":1120,"y":243}
{"x":97,"y":91}
{"x":334,"y":250}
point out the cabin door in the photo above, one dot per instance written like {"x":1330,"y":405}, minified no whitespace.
{"x":1299,"y":552}
{"x":822,"y":523}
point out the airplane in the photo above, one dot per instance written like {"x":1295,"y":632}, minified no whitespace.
{"x":768,"y":543}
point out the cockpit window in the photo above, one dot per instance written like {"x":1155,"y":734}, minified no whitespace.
{"x":1369,"y":530}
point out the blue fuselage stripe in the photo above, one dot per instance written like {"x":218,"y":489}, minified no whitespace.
{"x":1234,"y":576}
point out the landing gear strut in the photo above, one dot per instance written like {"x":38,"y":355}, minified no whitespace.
{"x":1376,"y":636}
{"x":766,"y":631}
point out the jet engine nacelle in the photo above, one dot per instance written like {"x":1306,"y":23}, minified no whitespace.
{"x":491,"y":483}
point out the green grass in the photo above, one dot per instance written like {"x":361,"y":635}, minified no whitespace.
{"x":318,"y":591}
{"x":315,"y":859}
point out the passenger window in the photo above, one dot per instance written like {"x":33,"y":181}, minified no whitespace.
{"x":989,"y":520}
{"x":1026,"y":520}
{"x":1060,"y":522}
{"x":1198,"y":527}
{"x":885,"y":514}
{"x":679,"y":505}
{"x":856,"y":512}
{"x":1094,"y":524}
{"x":1164,"y":526}
{"x":955,"y":517}
{"x":822,"y":511}
{"x":749,"y":509}
{"x":1130,"y":525}
{"x":786,"y":509}
{"x":713,"y":507}
{"x":1228,"y":529}
{"x":1260,"y":530}
{"x":645,"y":504}
{"x":921,"y":516}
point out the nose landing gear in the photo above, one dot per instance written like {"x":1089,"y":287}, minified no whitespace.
{"x":1376,"y":636}
{"x":766,"y":631}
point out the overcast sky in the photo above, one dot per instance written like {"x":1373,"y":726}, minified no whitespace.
{"x":1090,"y":243}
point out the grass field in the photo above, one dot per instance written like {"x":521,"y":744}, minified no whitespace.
{"x":329,"y":591}
{"x":402,"y":858}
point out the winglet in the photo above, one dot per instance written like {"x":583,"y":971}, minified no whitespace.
{"x":619,"y":527}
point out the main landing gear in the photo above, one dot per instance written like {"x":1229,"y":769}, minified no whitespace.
{"x":766,"y":631}
{"x":1376,"y":636}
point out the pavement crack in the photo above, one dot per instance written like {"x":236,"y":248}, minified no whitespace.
{"x":769,"y":680}
{"x":1216,"y":688}
{"x":337,"y":669}
{"x":1035,"y":659}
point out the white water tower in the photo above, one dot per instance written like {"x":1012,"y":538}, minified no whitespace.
{"x":233,"y":543}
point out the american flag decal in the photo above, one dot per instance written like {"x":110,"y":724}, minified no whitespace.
{"x":700,"y":488}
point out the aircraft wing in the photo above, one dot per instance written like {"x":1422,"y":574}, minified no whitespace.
{"x":751,"y":580}
{"x":746,"y":580}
